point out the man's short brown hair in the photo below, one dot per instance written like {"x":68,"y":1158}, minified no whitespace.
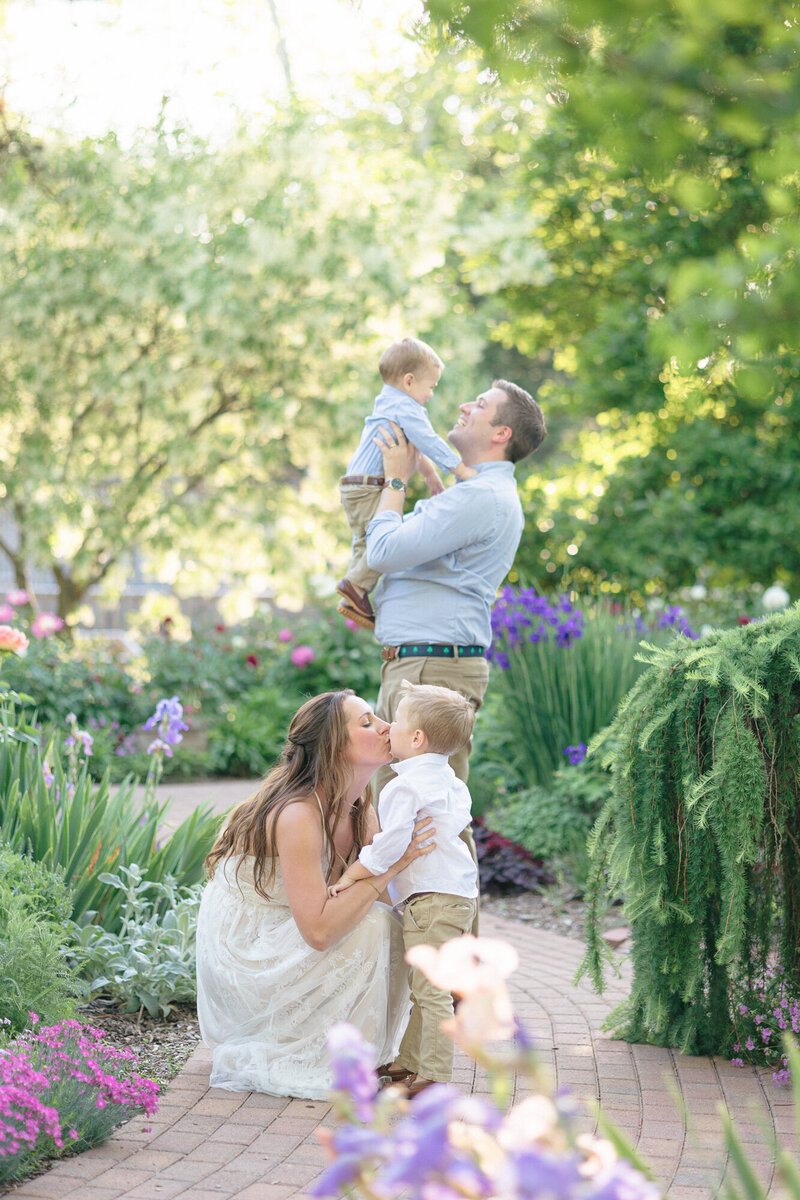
{"x":408,"y":356}
{"x":524,"y":418}
{"x":444,"y":716}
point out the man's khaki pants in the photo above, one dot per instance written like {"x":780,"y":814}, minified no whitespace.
{"x":470,"y":676}
{"x":431,"y":919}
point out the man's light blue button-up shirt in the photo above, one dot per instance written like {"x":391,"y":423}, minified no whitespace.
{"x":443,"y":563}
{"x":397,"y":406}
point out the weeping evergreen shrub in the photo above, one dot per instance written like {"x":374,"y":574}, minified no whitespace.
{"x":701,"y":834}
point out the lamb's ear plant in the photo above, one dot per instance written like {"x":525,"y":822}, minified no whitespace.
{"x":150,"y":962}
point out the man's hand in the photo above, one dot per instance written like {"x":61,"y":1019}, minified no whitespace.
{"x":400,"y":457}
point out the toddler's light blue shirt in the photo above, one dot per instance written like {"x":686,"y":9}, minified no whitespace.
{"x":397,"y":406}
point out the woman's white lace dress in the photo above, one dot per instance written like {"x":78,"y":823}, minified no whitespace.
{"x":266,"y":1000}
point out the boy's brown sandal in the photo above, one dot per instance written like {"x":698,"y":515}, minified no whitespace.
{"x":413,"y":1086}
{"x":355,"y":599}
{"x":352,"y":614}
{"x":396,"y":1074}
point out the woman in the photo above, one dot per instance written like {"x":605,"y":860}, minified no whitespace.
{"x":278,"y":961}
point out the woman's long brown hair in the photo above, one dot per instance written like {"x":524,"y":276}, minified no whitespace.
{"x":313,"y":759}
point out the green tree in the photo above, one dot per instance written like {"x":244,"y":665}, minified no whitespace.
{"x":183,"y":333}
{"x":654,"y":172}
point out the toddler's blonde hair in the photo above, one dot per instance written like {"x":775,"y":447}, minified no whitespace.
{"x":408,"y":356}
{"x":444,"y":716}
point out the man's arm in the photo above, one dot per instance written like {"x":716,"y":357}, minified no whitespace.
{"x":456,"y":518}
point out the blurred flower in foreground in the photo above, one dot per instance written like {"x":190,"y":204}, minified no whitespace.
{"x":475,"y":969}
{"x":17,"y":597}
{"x":285,"y":635}
{"x":442,"y":1145}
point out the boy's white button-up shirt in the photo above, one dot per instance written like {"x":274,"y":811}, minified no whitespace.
{"x":426,"y":785}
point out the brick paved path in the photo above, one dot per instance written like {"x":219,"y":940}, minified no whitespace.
{"x":206,"y":1143}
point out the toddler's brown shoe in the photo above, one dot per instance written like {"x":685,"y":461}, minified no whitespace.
{"x":357,"y":606}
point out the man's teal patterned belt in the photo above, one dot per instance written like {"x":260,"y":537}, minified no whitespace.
{"x":433,"y":650}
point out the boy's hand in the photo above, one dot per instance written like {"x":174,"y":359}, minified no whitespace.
{"x":431,"y":476}
{"x":340,"y":886}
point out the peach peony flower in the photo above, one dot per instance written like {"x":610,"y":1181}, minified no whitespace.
{"x":11,"y":639}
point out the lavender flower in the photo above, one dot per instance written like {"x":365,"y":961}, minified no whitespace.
{"x":168,"y":717}
{"x":576,"y":754}
{"x":353,"y":1066}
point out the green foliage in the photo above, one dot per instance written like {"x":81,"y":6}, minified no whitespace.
{"x":702,"y":831}
{"x":35,"y":905}
{"x":150,"y":962}
{"x":84,"y":828}
{"x":559,"y":671}
{"x":548,"y":821}
{"x":651,"y":172}
{"x":249,"y":738}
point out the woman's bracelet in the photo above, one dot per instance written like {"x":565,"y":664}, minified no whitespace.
{"x":377,"y":891}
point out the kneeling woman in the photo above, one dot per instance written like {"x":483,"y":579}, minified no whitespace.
{"x":278,"y":961}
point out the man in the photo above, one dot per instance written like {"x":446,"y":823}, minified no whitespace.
{"x":444,"y":562}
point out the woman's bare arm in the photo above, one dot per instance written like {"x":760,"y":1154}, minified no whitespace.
{"x":322,"y":920}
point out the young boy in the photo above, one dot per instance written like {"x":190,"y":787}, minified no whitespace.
{"x":410,"y":371}
{"x":438,"y":891}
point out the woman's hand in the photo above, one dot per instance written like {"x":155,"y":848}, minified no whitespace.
{"x":420,"y":844}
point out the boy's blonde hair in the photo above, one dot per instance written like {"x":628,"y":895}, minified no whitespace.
{"x":408,"y":356}
{"x":444,"y":716}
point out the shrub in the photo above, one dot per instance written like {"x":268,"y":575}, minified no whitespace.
{"x":62,"y":1088}
{"x":249,"y":737}
{"x":503,"y":865}
{"x":150,"y":962}
{"x":701,"y":833}
{"x":547,"y":821}
{"x":35,"y":905}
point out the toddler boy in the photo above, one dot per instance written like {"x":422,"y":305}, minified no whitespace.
{"x":438,"y":891}
{"x":410,"y":371}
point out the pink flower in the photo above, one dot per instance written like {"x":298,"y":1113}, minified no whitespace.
{"x":18,"y":597}
{"x":6,"y":612}
{"x":351,"y":624}
{"x":301,"y":656}
{"x":12,"y":639}
{"x":45,"y":624}
{"x":285,"y":635}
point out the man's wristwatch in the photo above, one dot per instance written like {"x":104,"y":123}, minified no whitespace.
{"x":395,"y":484}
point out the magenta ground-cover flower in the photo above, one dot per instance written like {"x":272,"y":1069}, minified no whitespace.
{"x":63,"y":1077}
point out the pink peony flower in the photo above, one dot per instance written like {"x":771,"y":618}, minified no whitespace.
{"x":285,"y":635}
{"x":17,"y":597}
{"x":6,"y":612}
{"x":45,"y":624}
{"x":12,"y":639}
{"x":301,"y":656}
